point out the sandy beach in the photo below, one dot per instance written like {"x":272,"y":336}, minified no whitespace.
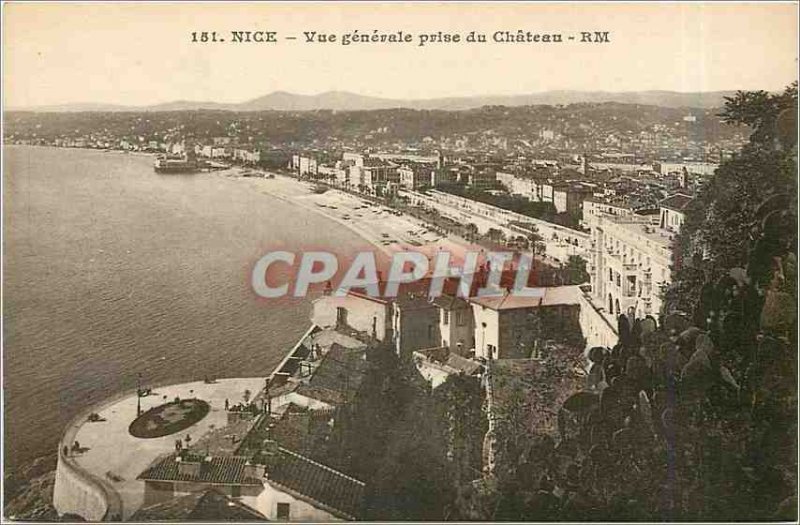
{"x":377,"y":224}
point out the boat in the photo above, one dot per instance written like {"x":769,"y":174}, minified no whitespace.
{"x":178,"y":164}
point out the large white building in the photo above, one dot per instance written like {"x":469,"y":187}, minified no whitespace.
{"x":630,"y":256}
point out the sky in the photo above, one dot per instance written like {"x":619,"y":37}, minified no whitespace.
{"x":139,"y":54}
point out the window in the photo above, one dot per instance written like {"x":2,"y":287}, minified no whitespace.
{"x":445,"y":317}
{"x":460,"y":318}
{"x":341,"y":316}
{"x":283,"y":511}
{"x":236,"y":491}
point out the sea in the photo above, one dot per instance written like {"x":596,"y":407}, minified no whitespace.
{"x":111,"y":270}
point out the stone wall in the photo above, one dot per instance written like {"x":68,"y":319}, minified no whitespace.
{"x":77,"y":491}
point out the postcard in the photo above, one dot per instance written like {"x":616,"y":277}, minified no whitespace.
{"x":399,"y":261}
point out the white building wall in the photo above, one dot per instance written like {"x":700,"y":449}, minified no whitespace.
{"x":598,"y":328}
{"x":356,"y":158}
{"x":299,"y":510}
{"x":432,"y":373}
{"x":307,"y":165}
{"x":629,"y":263}
{"x":701,"y":168}
{"x":672,"y":220}
{"x":560,"y":201}
{"x":300,"y":400}
{"x":362,"y":314}
{"x":487,"y":331}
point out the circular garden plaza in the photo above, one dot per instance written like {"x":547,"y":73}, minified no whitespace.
{"x":169,"y":418}
{"x":106,"y":447}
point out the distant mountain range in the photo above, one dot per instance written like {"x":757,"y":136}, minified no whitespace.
{"x":346,"y":101}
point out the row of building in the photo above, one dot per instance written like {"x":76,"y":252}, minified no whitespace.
{"x":628,"y":252}
{"x":219,"y":148}
{"x":630,"y":225}
{"x":566,"y":184}
{"x":483,"y":328}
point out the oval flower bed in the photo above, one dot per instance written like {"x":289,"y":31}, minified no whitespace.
{"x":169,"y":418}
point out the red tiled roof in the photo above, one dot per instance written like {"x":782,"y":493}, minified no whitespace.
{"x":677,"y":202}
{"x":221,"y":470}
{"x":338,"y":376}
{"x":303,"y":430}
{"x":550,"y":296}
{"x":320,"y":484}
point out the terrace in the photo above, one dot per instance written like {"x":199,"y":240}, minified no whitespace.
{"x":100,"y":439}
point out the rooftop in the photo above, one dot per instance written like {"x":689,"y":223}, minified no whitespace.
{"x":337,"y":377}
{"x":219,"y":470}
{"x":449,"y":361}
{"x":450,"y":302}
{"x":300,"y":366}
{"x":323,"y":485}
{"x":304,"y":430}
{"x":677,"y":202}
{"x":548,"y":296}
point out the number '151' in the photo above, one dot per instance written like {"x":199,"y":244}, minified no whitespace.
{"x":205,"y":36}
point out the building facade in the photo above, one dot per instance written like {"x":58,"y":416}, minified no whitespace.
{"x":515,"y":327}
{"x":630,"y":258}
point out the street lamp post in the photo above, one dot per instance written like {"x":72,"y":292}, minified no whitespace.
{"x":138,"y":394}
{"x":267,"y":396}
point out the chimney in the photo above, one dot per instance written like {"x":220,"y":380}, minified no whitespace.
{"x":270,"y":446}
{"x":187,"y":468}
{"x":252,"y":470}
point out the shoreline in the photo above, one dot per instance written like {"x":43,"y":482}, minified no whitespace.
{"x":375,"y":223}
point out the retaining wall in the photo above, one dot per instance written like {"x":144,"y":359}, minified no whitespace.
{"x":77,"y":491}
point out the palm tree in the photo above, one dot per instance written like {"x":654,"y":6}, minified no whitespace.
{"x":495,"y":235}
{"x":472,"y":231}
{"x":536,"y":243}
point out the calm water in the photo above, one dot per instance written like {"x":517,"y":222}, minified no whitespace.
{"x":112,"y":269}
